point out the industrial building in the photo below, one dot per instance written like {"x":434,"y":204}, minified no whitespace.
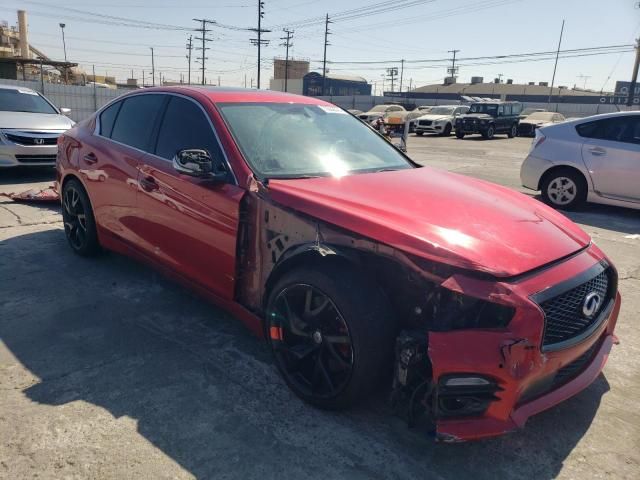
{"x":530,"y":92}
{"x":293,"y":70}
{"x":334,"y":85}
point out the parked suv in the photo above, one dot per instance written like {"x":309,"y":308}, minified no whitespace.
{"x":348,"y":258}
{"x":29,"y":127}
{"x":440,"y":119}
{"x":489,"y":118}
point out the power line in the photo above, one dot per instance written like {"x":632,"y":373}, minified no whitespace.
{"x":259,"y":41}
{"x":324,"y":59}
{"x":287,"y":44}
{"x":203,"y":31}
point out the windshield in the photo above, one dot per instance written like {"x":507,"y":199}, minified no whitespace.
{"x":489,"y":108}
{"x":442,"y":111}
{"x":548,"y":116}
{"x":294,"y":140}
{"x":23,"y":101}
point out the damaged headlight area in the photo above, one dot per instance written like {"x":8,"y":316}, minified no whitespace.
{"x":454,"y":311}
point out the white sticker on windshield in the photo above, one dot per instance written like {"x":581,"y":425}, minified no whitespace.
{"x":27,"y":92}
{"x":332,"y":109}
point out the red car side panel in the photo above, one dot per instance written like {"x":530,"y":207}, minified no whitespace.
{"x":109,"y":171}
{"x":190,"y":225}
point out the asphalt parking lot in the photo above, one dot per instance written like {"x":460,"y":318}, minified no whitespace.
{"x":108,"y":370}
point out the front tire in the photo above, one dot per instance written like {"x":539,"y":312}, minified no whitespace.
{"x":459,"y":134}
{"x":331,"y":333}
{"x":564,"y":188}
{"x":447,"y":130}
{"x":489,"y":132}
{"x":79,"y":222}
{"x":419,"y":133}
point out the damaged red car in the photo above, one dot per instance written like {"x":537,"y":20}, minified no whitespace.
{"x":479,"y":306}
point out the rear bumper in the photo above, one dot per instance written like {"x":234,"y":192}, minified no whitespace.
{"x":531,"y":171}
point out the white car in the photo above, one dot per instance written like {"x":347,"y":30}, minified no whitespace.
{"x":528,"y":125}
{"x":439,"y":119}
{"x":594,"y":159}
{"x":382,"y":111}
{"x":29,"y":128}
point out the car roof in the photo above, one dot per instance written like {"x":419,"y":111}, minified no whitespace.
{"x":239,"y":95}
{"x":16,"y":87}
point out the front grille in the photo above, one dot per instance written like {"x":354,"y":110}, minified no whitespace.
{"x":564,"y":317}
{"x":571,"y":370}
{"x":562,"y":376}
{"x":29,"y":140}
{"x":425,"y":123}
{"x":36,"y":158}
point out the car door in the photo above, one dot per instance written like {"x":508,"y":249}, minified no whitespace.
{"x":611,"y":152}
{"x":109,"y":158}
{"x":189,"y":224}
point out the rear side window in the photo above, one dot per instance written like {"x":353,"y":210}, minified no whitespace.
{"x":619,"y":129}
{"x":516,"y":109}
{"x":136,"y":120}
{"x":185,"y":126}
{"x":507,"y":109}
{"x":107,"y":119}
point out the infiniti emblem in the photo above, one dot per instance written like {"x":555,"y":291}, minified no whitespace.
{"x":591,"y":304}
{"x":38,"y":141}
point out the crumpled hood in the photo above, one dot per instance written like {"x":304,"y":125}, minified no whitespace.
{"x":34,"y":121}
{"x":440,"y":216}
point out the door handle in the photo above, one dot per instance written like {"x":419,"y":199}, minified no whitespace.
{"x":597,"y":151}
{"x":90,"y":158}
{"x":149,"y":184}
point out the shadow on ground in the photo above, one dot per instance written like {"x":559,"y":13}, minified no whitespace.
{"x":110,"y":332}
{"x":20,"y":175}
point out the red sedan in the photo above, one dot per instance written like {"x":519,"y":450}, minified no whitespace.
{"x":355,"y":264}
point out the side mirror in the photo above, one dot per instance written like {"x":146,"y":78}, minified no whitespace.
{"x":65,"y":111}
{"x":198,"y":163}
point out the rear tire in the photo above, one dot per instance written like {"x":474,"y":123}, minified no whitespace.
{"x":331,"y":333}
{"x":513,"y":131}
{"x":564,"y":188}
{"x":79,"y":222}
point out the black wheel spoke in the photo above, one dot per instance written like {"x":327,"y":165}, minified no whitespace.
{"x":314,"y":347}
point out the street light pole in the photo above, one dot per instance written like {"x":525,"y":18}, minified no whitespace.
{"x":64,"y":45}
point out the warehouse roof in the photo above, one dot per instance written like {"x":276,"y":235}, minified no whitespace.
{"x":498,"y":89}
{"x":347,"y":78}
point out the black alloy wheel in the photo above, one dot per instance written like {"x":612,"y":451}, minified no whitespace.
{"x":489,"y":132}
{"x":311,"y":342}
{"x":79,"y":224}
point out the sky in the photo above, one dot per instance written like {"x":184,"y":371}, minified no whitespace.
{"x":375,"y":31}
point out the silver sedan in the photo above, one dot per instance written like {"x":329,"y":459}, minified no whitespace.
{"x":594,"y":159}
{"x":29,"y":127}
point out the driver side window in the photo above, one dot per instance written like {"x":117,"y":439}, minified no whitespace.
{"x":185,"y":126}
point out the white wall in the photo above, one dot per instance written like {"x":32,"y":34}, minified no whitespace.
{"x":82,"y":101}
{"x":294,"y":85}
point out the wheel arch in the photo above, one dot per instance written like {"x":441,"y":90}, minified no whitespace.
{"x":560,"y":167}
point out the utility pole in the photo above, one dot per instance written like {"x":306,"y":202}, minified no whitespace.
{"x":500,"y":75}
{"x":585,"y":78}
{"x":324,"y":58}
{"x":392,"y":73}
{"x":203,"y":31}
{"x":259,"y":41}
{"x":401,"y":73}
{"x":453,"y":71}
{"x":287,"y":43}
{"x":555,"y":66}
{"x":153,"y":69}
{"x":634,"y":76}
{"x":189,"y":49}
